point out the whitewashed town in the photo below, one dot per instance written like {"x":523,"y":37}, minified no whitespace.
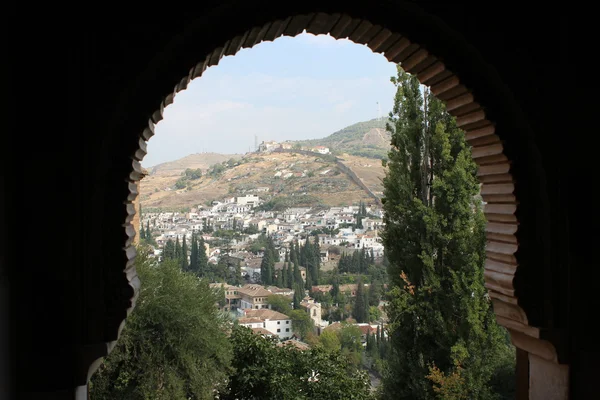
{"x":236,"y":233}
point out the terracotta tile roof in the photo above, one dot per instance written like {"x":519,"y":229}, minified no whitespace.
{"x":265,"y":313}
{"x":333,"y":327}
{"x":364,"y":328}
{"x":254,"y":291}
{"x":308,"y":305}
{"x":322,"y":288}
{"x":250,"y":320}
{"x":295,"y":343}
{"x":262,"y":331}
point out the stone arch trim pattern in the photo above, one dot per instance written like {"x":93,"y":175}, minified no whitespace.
{"x":494,"y":168}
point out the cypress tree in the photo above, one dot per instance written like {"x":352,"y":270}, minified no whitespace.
{"x":169,"y":251}
{"x":279,"y":278}
{"x":434,"y":240}
{"x":372,"y":257}
{"x":265,"y":268}
{"x":363,"y":261}
{"x":293,"y":253}
{"x":373,"y":293}
{"x":290,"y":276}
{"x":177,"y":248}
{"x":335,"y":289}
{"x":142,"y":231}
{"x":184,"y":255}
{"x":360,"y":311}
{"x":298,"y":276}
{"x":194,"y":254}
{"x":284,"y":274}
{"x":148,"y":234}
{"x":201,"y":257}
{"x":298,"y":295}
{"x":308,"y":284}
{"x":317,"y":262}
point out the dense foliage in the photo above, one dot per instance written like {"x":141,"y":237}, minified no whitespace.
{"x":174,"y":344}
{"x":441,"y":319}
{"x":264,"y":370}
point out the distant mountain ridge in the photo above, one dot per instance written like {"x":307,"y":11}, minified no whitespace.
{"x":192,"y":161}
{"x":366,"y":139}
{"x":359,"y":147}
{"x":284,"y":178}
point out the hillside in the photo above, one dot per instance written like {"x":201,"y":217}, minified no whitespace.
{"x":193,"y":161}
{"x":299,"y":179}
{"x":365,"y":139}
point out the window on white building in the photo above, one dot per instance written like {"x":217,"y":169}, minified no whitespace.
{"x":278,"y":330}
{"x":287,"y":329}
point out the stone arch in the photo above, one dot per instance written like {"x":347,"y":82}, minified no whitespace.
{"x":494,"y":166}
{"x":505,"y":279}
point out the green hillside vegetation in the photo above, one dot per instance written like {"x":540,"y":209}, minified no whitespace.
{"x":365,"y":139}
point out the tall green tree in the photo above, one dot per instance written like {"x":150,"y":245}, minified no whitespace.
{"x":202,"y":257}
{"x":290,"y":276}
{"x":298,"y":295}
{"x":168,"y":251}
{"x":361,"y":310}
{"x":173,"y":345}
{"x":184,"y":255}
{"x":293,"y":253}
{"x":194,"y":254}
{"x":177,"y":248}
{"x":308,"y":283}
{"x":441,"y":318}
{"x":298,"y":276}
{"x":284,"y":275}
{"x":374,"y":293}
{"x":316,"y":262}
{"x":142,"y":230}
{"x":265,"y":267}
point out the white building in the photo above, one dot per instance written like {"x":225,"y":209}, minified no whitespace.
{"x":249,"y":199}
{"x":321,"y":149}
{"x":313,"y":309}
{"x":273,"y":321}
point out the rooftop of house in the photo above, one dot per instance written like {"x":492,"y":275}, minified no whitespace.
{"x":265,"y":314}
{"x":275,"y":289}
{"x":310,"y":305}
{"x":254,"y":290}
{"x":262,"y":331}
{"x":250,"y":320}
{"x":334,"y":326}
{"x":295,"y":343}
{"x":322,"y":288}
{"x":364,"y":328}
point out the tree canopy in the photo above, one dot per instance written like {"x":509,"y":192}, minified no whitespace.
{"x":173,"y":345}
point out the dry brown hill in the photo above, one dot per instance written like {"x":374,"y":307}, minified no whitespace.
{"x":302,"y":179}
{"x":193,"y":161}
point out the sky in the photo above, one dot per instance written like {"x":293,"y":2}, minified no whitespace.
{"x":304,"y":87}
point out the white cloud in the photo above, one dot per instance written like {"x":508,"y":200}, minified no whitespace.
{"x":323,"y":40}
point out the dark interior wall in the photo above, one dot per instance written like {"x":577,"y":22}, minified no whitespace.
{"x":83,"y":88}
